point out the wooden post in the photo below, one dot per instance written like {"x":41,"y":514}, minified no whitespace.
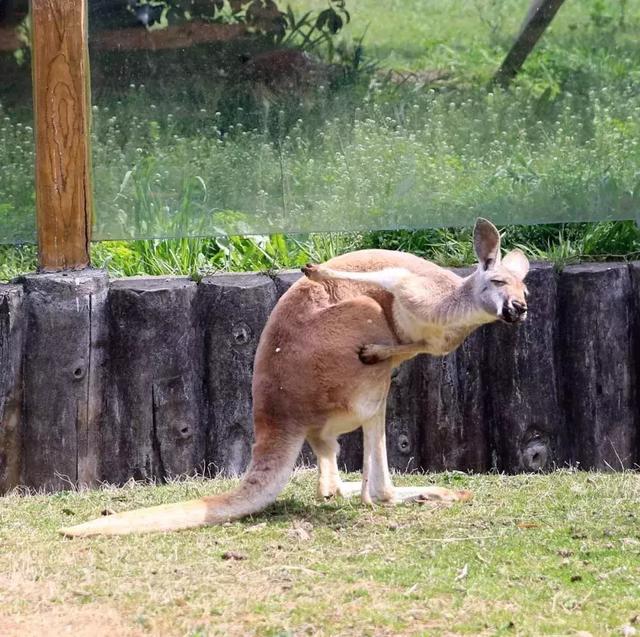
{"x":595,"y":350}
{"x":452,"y":414}
{"x":64,"y":378}
{"x":61,"y":105}
{"x":12,"y":339}
{"x":538,"y":19}
{"x":153,"y":427}
{"x":520,"y":368}
{"x":235,"y":309}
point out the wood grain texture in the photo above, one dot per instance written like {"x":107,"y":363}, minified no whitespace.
{"x":61,"y":104}
{"x":634,"y":272}
{"x":234,"y":310}
{"x":451,"y":414}
{"x":404,"y":409}
{"x":154,"y":379}
{"x":63,"y":368}
{"x":155,"y":426}
{"x":451,"y":410}
{"x":527,"y":426}
{"x":11,"y":349}
{"x":595,"y":323}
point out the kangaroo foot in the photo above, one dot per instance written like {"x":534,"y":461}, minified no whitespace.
{"x":341,"y":490}
{"x":432,"y":494}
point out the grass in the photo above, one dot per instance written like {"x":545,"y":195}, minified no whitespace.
{"x":414,"y":139}
{"x":530,"y":555}
{"x":562,"y":244}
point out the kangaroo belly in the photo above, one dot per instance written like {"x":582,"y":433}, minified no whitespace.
{"x":365,"y":402}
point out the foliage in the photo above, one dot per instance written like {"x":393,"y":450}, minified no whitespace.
{"x":411,"y":139}
{"x":562,"y":244}
{"x":201,"y":257}
{"x":260,"y":16}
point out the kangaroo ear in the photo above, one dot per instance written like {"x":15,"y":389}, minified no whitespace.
{"x":486,"y":241}
{"x":517,"y":263}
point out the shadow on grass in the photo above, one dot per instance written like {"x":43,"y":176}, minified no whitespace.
{"x":332,"y":514}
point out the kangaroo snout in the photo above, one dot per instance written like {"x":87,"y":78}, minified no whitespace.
{"x":514,"y":312}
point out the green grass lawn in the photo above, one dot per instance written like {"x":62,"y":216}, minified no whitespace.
{"x":530,"y":555}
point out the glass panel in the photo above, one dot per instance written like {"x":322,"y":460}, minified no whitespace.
{"x":17,"y":191}
{"x":232,"y":116}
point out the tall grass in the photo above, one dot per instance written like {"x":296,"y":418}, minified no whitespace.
{"x":200,"y":257}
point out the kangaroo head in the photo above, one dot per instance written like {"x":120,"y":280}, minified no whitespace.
{"x":499,"y":287}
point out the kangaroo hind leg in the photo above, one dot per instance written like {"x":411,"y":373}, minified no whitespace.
{"x":386,"y":278}
{"x":329,"y":482}
{"x":376,"y":479}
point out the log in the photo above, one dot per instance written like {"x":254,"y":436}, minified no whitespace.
{"x":64,"y":375}
{"x":154,"y":403}
{"x":234,"y":309}
{"x":521,"y":383}
{"x":152,"y":377}
{"x":595,"y":322}
{"x":284,"y":280}
{"x":61,"y":119}
{"x":180,"y":36}
{"x":452,"y":419}
{"x":634,"y":272}
{"x":404,"y":435}
{"x":9,"y":40}
{"x":11,"y":349}
{"x":451,"y":413}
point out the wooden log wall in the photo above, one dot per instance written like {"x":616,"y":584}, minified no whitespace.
{"x":149,"y":378}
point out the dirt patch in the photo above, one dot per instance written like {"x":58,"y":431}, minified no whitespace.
{"x":92,"y":620}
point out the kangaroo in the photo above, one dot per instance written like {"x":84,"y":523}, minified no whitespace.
{"x":323,"y":368}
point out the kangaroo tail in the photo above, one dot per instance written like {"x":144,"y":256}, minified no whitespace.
{"x":271,"y":465}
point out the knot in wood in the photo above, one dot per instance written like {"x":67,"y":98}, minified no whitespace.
{"x":78,"y":372}
{"x":241,"y":333}
{"x":535,"y":455}
{"x":404,"y":444}
{"x":184,"y":431}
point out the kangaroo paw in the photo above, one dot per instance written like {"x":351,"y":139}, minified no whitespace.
{"x":372,"y":354}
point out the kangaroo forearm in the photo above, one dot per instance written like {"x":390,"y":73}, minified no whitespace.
{"x":376,"y":353}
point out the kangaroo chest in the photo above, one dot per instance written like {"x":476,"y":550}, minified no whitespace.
{"x":438,"y":339}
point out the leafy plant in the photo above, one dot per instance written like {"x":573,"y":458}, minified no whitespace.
{"x":260,"y":16}
{"x":313,"y":31}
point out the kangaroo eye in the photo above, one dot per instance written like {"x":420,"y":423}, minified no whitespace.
{"x":498,"y":282}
